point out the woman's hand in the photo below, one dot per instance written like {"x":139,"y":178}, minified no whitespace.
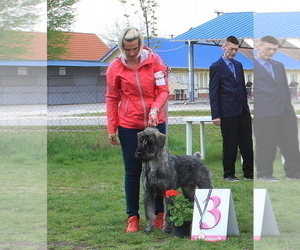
{"x":153,"y":121}
{"x":113,"y":139}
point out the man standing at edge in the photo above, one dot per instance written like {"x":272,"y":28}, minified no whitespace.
{"x":230,"y":110}
{"x":275,"y":121}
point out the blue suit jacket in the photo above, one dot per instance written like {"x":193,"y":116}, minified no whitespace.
{"x":271,"y":95}
{"x":228,"y":96}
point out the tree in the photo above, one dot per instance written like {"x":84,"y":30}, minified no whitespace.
{"x":109,"y":34}
{"x":61,"y":16}
{"x":147,"y":9}
{"x":16,"y":17}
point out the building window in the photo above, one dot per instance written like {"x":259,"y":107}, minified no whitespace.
{"x":203,"y":80}
{"x":294,"y":77}
{"x":22,"y":71}
{"x":62,"y":71}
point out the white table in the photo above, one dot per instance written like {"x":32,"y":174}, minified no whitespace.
{"x":202,"y":119}
{"x":189,"y":133}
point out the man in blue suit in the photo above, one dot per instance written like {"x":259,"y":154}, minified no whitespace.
{"x":230,"y":110}
{"x":275,"y":121}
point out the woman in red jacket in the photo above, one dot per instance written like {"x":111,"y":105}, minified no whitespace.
{"x":137,"y":90}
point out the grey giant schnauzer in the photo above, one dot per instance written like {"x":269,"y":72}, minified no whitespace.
{"x":164,"y":171}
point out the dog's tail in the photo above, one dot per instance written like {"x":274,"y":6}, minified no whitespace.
{"x":198,"y":155}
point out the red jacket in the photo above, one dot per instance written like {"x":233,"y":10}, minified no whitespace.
{"x":132,"y":93}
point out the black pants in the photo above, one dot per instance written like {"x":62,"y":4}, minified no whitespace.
{"x":133,"y":170}
{"x":272,"y":132}
{"x":237,"y":133}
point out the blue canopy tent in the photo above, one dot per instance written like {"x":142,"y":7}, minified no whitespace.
{"x":247,"y":27}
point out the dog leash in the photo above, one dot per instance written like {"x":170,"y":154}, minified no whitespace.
{"x":201,"y":236}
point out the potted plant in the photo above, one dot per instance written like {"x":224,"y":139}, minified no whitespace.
{"x":181,"y":213}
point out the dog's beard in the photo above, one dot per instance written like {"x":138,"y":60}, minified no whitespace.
{"x":144,"y":156}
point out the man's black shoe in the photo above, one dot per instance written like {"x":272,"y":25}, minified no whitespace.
{"x":268,"y":178}
{"x":231,"y":179}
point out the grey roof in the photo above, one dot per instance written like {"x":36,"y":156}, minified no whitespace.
{"x":44,"y":63}
{"x":77,"y":63}
{"x":24,"y":63}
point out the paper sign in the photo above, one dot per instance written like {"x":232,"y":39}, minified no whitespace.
{"x":218,"y":215}
{"x":159,"y":78}
{"x":264,"y":219}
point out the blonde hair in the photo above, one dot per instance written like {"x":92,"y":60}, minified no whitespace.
{"x":130,"y":34}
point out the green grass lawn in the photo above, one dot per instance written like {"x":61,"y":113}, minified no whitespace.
{"x":86,"y":200}
{"x":23,"y":190}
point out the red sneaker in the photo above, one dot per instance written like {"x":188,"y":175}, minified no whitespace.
{"x":133,"y":224}
{"x":159,"y":221}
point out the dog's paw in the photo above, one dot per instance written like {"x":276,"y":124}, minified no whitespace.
{"x":167,"y":230}
{"x":148,"y":230}
{"x":198,"y":155}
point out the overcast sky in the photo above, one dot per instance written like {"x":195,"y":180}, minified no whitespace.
{"x":174,"y":16}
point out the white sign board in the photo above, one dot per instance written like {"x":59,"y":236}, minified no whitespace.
{"x":264,"y":219}
{"x":218,"y":215}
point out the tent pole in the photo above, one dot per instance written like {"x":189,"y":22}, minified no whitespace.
{"x":191,"y":71}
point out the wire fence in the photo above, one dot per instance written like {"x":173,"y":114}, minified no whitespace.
{"x":89,"y":115}
{"x":62,"y":116}
{"x":80,"y":112}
